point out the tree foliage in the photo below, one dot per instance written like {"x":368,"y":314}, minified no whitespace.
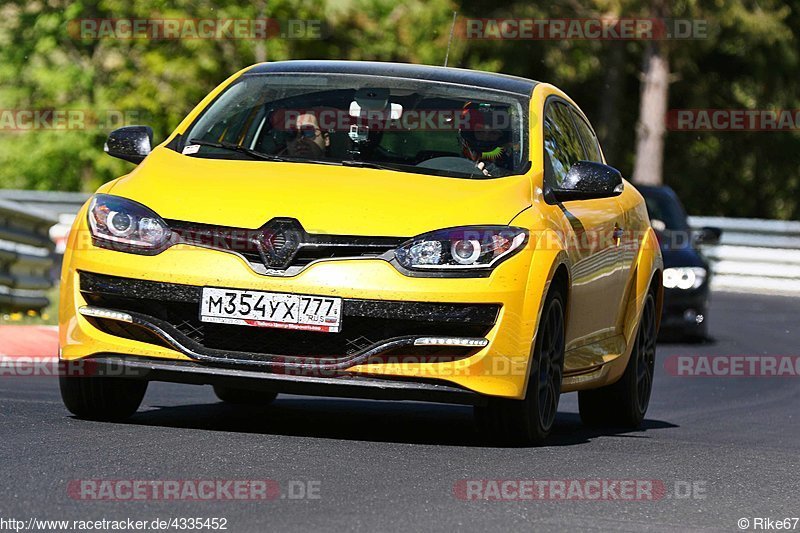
{"x":749,"y":60}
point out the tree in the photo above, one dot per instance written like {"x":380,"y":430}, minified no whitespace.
{"x":651,"y":128}
{"x":748,"y":60}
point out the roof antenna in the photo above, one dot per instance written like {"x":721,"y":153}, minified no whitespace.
{"x":450,"y":41}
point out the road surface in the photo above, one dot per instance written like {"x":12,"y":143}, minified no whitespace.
{"x":719,"y":449}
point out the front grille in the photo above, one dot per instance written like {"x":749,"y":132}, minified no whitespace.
{"x":365,"y":323}
{"x":281,"y":246}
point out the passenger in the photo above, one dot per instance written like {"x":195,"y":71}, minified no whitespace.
{"x":485,"y":138}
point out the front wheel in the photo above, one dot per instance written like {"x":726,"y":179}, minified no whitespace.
{"x":624,"y":403}
{"x":102,"y":398}
{"x":529,"y":421}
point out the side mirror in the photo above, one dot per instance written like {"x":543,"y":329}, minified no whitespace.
{"x":586,"y":180}
{"x":707,"y":235}
{"x":131,"y":143}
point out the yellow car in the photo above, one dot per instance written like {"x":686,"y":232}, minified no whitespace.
{"x":369,"y":230}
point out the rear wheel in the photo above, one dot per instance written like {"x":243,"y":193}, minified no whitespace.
{"x":244,"y":396}
{"x":102,"y":398}
{"x":529,"y":421}
{"x":624,"y":403}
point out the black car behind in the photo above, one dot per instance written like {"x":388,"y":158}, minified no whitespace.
{"x":686,"y":271}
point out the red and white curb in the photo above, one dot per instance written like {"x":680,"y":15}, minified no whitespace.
{"x":38,"y":343}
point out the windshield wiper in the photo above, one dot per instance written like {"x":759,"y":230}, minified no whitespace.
{"x":241,"y":149}
{"x":368,"y":164}
{"x":406,"y":168}
{"x":258,"y":155}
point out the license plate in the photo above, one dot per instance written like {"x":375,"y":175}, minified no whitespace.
{"x":271,"y":310}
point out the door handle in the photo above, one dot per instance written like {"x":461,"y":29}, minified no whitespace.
{"x":618,"y":233}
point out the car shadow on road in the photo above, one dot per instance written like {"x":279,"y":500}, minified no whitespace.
{"x":667,"y":339}
{"x":362,"y":420}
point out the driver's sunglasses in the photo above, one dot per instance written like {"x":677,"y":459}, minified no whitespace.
{"x":308,"y":131}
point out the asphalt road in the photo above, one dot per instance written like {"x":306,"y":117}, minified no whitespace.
{"x":723,"y":448}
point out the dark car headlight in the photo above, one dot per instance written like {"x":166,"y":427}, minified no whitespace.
{"x":461,"y":249}
{"x":121,"y":224}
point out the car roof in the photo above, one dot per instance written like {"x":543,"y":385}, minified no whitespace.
{"x":657,"y":190}
{"x":475,"y":78}
{"x":664,"y":193}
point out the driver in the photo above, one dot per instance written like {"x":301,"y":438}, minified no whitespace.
{"x":305,"y":138}
{"x":485,"y":138}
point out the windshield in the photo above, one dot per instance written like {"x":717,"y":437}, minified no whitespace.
{"x":399,"y":124}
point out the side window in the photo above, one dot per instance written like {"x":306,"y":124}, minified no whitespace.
{"x":561,"y":143}
{"x":592,"y":147}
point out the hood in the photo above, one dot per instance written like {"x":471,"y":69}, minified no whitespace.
{"x":324,"y":198}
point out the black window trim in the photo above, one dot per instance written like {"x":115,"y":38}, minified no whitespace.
{"x":553,"y":98}
{"x":581,"y":116}
{"x":547,"y":184}
{"x":179,"y":139}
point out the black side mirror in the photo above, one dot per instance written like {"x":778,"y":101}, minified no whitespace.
{"x":587,"y":180}
{"x":707,"y":235}
{"x":131,"y":143}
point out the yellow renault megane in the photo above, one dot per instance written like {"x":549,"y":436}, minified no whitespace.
{"x":369,"y":230}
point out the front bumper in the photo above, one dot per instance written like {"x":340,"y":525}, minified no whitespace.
{"x":346,"y":386}
{"x":166,"y":314}
{"x":685,"y":311}
{"x":501,"y":308}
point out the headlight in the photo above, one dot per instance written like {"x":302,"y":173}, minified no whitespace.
{"x":121,"y":224}
{"x":466,"y":248}
{"x":684,"y":278}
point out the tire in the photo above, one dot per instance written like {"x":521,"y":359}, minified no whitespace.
{"x":244,"y":396}
{"x":102,"y":398}
{"x":624,"y":403}
{"x":529,"y":421}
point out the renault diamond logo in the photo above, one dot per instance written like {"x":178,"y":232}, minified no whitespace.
{"x":280,"y":239}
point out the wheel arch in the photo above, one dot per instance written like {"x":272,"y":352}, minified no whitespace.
{"x":559,"y":278}
{"x":646,"y":278}
{"x":657,"y":286}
